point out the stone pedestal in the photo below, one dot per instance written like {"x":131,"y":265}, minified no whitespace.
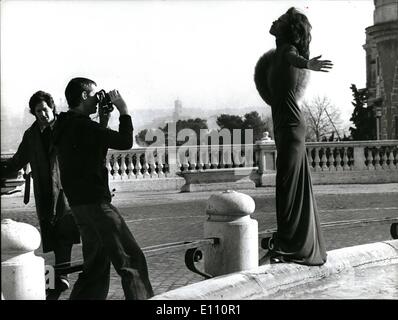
{"x":229,"y":220}
{"x":22,"y":273}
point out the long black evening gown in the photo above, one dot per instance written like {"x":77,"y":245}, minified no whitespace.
{"x":280,"y":78}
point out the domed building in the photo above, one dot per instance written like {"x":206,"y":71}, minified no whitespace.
{"x":382,"y":67}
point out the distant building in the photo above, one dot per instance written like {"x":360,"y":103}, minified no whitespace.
{"x":382,"y":67}
{"x":177,"y":110}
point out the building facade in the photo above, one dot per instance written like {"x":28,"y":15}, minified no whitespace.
{"x":382,"y":67}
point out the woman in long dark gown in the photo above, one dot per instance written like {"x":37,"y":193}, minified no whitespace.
{"x":280,"y":76}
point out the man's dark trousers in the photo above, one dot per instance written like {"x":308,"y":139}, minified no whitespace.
{"x":106,"y":238}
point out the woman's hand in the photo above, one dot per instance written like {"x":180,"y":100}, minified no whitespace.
{"x":315,"y":64}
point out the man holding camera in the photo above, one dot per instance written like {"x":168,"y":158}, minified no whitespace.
{"x":82,"y":145}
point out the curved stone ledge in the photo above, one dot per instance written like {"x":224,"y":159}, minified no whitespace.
{"x":266,"y":280}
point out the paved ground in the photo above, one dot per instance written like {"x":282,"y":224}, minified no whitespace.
{"x":164,"y":217}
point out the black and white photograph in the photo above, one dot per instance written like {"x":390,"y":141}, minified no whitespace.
{"x":216,"y":152}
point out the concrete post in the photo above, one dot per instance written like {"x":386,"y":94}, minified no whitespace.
{"x":229,"y":220}
{"x":22,"y":273}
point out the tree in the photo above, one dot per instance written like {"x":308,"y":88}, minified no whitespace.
{"x":362,"y":116}
{"x":140,"y":138}
{"x":229,"y":121}
{"x":194,"y":124}
{"x":251,"y":120}
{"x":322,"y":119}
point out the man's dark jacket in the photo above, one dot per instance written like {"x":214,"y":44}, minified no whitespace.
{"x":50,"y":202}
{"x":82,"y":145}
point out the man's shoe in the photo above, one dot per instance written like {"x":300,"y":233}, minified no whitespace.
{"x":62,"y":283}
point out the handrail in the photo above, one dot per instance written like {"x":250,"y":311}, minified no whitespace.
{"x":337,"y":225}
{"x":341,"y":224}
{"x":77,"y":265}
{"x":193,"y":254}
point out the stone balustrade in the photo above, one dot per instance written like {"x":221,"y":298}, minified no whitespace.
{"x":340,"y":156}
{"x":160,"y":168}
{"x":339,"y":162}
{"x":164,"y":162}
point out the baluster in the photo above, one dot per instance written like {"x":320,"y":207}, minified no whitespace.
{"x":207,"y":161}
{"x":108,"y":165}
{"x":130,"y":167}
{"x":192,"y":159}
{"x":391,"y":159}
{"x":384,"y":159}
{"x":338,"y":160}
{"x":200,"y":163}
{"x":214,"y":158}
{"x":145,"y":168}
{"x":184,"y":161}
{"x":369,"y":159}
{"x":261,"y":159}
{"x":204,"y":156}
{"x":185,"y":164}
{"x":160,"y":170}
{"x":192,"y":166}
{"x":332,"y":159}
{"x":123,"y":166}
{"x":317,"y":160}
{"x":179,"y":165}
{"x":138,"y":166}
{"x":152,"y":167}
{"x":309,"y":156}
{"x":115,"y":166}
{"x":346,"y":167}
{"x":377,"y":159}
{"x":221,"y":162}
{"x":160,"y":158}
{"x":227,"y":155}
{"x":324,"y":160}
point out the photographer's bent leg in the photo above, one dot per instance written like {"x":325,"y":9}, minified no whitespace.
{"x":126,"y":256}
{"x":93,"y":282}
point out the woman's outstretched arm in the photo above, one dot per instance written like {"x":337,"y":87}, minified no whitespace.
{"x":313,"y":64}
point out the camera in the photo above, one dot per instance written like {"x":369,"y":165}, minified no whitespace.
{"x":104,"y":101}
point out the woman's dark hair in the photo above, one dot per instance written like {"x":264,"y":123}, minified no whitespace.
{"x":74,"y":89}
{"x":298,"y":31}
{"x":38,"y":97}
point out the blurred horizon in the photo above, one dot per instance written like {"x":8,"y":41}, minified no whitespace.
{"x":200,"y":52}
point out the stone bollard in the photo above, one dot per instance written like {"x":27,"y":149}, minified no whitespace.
{"x":229,"y":220}
{"x":22,"y":273}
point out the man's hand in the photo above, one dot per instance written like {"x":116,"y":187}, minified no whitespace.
{"x":118,"y":101}
{"x":319,"y":65}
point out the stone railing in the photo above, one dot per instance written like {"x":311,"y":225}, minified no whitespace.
{"x":164,"y":162}
{"x":336,"y":162}
{"x":331,"y":162}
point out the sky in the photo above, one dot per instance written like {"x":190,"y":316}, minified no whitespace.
{"x":153,"y":52}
